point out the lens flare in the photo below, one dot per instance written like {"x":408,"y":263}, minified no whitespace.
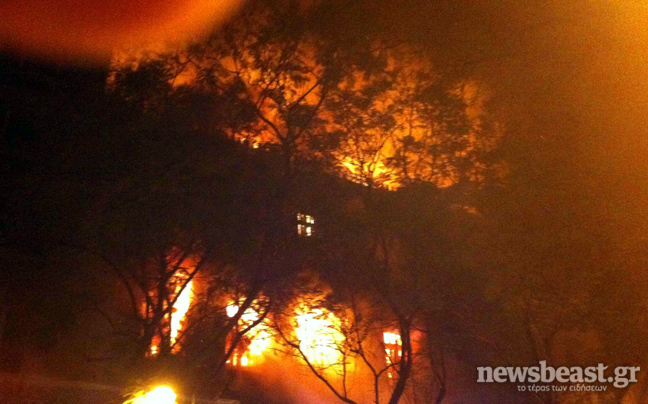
{"x":85,"y":31}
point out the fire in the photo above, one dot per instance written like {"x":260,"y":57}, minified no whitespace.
{"x":391,"y":338}
{"x":316,"y":330}
{"x":319,"y":336}
{"x":178,"y":314}
{"x":361,"y":173}
{"x":259,"y":337}
{"x":393,"y":349}
{"x":159,"y":395}
{"x":180,"y":309}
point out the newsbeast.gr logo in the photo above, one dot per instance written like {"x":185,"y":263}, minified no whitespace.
{"x":623,"y":375}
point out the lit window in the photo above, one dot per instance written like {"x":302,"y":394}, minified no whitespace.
{"x":305,"y":225}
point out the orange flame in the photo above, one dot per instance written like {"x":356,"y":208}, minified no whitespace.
{"x":393,"y":349}
{"x":180,"y":309}
{"x":178,"y":317}
{"x":317,"y":331}
{"x":319,"y":335}
{"x":260,"y":338}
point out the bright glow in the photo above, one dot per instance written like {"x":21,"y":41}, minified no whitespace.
{"x":179,"y":312}
{"x":180,"y":309}
{"x":316,"y":329}
{"x":260,"y":341}
{"x":231,"y":310}
{"x":359,"y":173}
{"x":319,"y":336}
{"x":159,"y":395}
{"x":391,"y":338}
{"x":260,"y":338}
